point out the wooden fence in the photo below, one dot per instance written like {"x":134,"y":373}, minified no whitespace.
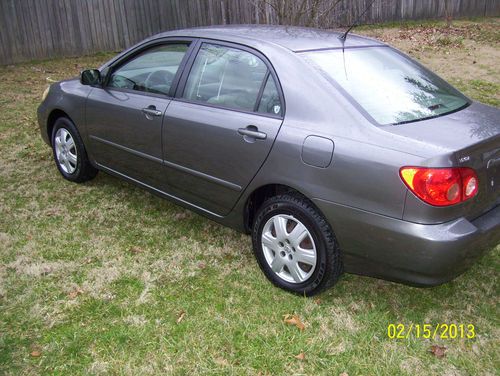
{"x":40,"y":29}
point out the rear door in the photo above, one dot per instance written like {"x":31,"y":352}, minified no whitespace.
{"x":221,"y":126}
{"x":125,"y":116}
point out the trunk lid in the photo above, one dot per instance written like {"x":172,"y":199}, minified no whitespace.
{"x":472,"y":138}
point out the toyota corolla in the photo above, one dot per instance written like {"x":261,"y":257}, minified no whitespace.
{"x":335,"y":153}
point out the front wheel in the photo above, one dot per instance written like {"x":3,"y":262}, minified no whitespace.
{"x":295,"y":246}
{"x":69,"y":152}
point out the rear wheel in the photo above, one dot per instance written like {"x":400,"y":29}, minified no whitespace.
{"x":295,"y":246}
{"x":69,"y":152}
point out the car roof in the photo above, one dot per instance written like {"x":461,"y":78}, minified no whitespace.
{"x":290,"y":37}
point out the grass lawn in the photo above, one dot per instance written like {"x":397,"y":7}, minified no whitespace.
{"x":105,"y":278}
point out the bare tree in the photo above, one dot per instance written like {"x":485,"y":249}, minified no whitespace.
{"x":299,"y":12}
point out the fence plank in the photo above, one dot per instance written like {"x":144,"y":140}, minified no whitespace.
{"x":39,"y":29}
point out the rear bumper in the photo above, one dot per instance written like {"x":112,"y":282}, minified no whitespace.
{"x":417,"y":254}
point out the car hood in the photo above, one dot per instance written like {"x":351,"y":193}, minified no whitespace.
{"x":454,"y":131}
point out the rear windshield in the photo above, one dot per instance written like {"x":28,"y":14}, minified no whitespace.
{"x":389,"y":87}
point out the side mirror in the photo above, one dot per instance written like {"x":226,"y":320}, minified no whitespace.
{"x":90,"y":77}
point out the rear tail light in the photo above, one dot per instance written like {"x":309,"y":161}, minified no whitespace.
{"x":441,"y":186}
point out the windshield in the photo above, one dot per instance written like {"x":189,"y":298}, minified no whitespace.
{"x":389,"y":87}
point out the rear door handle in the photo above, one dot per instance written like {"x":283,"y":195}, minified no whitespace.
{"x":252,"y":132}
{"x":151,"y":111}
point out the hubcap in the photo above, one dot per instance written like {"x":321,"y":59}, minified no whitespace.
{"x":66,"y":153}
{"x":289,"y":248}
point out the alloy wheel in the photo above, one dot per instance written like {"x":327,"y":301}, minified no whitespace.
{"x":289,"y":248}
{"x":66,"y":153}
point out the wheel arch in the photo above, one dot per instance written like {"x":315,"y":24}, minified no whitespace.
{"x":51,"y":121}
{"x":261,"y":194}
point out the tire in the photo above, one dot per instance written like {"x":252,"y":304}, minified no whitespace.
{"x":276,"y":245}
{"x":69,"y":152}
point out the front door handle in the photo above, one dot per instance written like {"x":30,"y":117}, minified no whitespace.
{"x":151,"y":111}
{"x":252,"y":132}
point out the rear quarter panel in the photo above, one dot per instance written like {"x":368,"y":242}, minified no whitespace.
{"x":360,"y":175}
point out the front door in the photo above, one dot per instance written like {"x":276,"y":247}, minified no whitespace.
{"x":125,"y":116}
{"x":220,"y":129}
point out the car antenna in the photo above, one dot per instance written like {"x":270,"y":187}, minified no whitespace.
{"x":343,"y":37}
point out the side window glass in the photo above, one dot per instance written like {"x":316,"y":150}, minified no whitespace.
{"x":270,"y":102}
{"x":151,"y":71}
{"x":225,"y":76}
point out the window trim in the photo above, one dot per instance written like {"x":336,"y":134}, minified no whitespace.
{"x":116,"y":64}
{"x":270,"y":71}
{"x":261,"y":91}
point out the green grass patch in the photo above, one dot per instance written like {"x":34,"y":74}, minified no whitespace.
{"x":105,"y":278}
{"x":489,"y":92}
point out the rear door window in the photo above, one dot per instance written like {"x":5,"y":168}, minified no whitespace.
{"x":231,"y":78}
{"x":270,"y":102}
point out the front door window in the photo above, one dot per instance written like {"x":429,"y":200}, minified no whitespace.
{"x":152,"y":71}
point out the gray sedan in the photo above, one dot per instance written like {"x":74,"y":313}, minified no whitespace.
{"x":334,"y":154}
